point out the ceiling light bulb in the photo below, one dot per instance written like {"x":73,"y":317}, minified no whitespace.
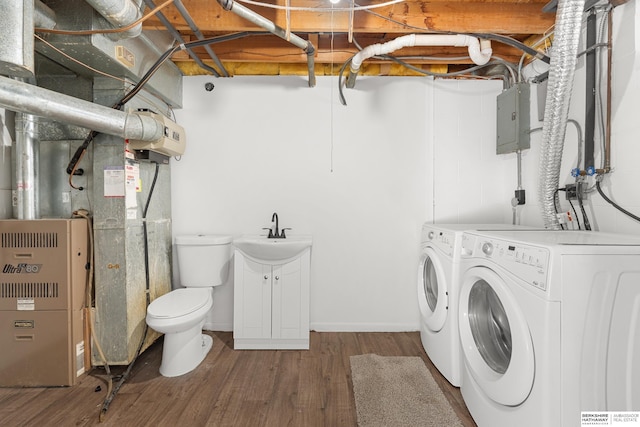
{"x":334,"y":1}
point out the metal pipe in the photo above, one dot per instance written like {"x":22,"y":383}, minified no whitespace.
{"x":30,"y":99}
{"x":607,"y":138}
{"x":590,"y":92}
{"x":187,"y":18}
{"x":263,"y":22}
{"x":16,"y":38}
{"x":119,"y":13}
{"x":26,"y":152}
{"x":43,"y":16}
{"x":178,"y":37}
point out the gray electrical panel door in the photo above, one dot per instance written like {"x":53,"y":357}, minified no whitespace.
{"x":513,"y":119}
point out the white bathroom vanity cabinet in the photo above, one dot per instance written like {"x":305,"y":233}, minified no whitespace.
{"x":271,"y":302}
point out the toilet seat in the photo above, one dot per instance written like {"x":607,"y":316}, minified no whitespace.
{"x":179,"y":302}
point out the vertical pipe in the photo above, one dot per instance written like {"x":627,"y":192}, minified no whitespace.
{"x":28,"y":206}
{"x":16,"y":38}
{"x":607,"y":139}
{"x":590,"y":95}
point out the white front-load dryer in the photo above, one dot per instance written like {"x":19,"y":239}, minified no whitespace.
{"x":438,"y":277}
{"x":548,"y":326}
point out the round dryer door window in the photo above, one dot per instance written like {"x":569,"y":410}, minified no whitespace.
{"x":495,"y":338}
{"x":432,"y":290}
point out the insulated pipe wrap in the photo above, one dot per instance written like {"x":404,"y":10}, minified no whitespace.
{"x":561,"y":75}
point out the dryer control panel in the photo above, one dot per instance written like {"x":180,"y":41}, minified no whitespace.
{"x":443,"y":240}
{"x":529,"y":263}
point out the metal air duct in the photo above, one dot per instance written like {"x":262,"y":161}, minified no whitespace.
{"x":16,"y":38}
{"x":43,"y":16}
{"x":27,"y":163}
{"x":561,"y":75}
{"x":119,"y":13}
{"x":25,"y":98}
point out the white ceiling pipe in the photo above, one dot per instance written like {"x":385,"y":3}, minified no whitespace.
{"x":479,"y":50}
{"x":119,"y":13}
{"x":30,"y":99}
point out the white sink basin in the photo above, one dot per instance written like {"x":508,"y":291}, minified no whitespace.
{"x":261,"y":248}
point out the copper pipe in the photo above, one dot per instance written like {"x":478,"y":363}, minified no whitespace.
{"x":607,"y":141}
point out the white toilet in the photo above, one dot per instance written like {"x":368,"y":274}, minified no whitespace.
{"x":203,"y":262}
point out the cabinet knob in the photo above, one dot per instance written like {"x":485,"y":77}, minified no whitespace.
{"x":266,"y":277}
{"x":277,"y":277}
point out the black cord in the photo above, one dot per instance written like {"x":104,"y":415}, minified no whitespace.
{"x":576,"y":215}
{"x":612,"y":203}
{"x":585,"y":218}
{"x":146,"y":238}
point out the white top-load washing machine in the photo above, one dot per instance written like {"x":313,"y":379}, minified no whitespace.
{"x":438,"y":293}
{"x":549,"y":326}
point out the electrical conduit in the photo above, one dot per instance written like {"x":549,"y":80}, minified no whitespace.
{"x":479,"y":50}
{"x":561,"y":75}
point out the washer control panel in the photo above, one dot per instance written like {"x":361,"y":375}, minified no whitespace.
{"x":529,"y":263}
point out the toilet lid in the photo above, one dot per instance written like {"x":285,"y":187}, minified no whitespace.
{"x":179,"y":302}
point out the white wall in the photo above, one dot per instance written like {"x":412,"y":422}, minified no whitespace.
{"x":361,"y":179}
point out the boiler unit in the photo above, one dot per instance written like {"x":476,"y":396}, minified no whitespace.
{"x":42,"y":291}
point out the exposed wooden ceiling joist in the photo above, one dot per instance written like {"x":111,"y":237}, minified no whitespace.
{"x":520,"y":19}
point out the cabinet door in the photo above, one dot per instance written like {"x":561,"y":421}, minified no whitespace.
{"x":252,"y":299}
{"x":290,"y":310}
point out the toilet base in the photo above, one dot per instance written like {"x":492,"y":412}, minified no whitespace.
{"x":184,"y":351}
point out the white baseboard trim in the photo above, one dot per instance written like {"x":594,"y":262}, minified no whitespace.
{"x":218,"y":326}
{"x":364,"y":327}
{"x":333,"y":327}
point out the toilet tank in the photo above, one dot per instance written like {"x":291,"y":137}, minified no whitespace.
{"x":203,"y":259}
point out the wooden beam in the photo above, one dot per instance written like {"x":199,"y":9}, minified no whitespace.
{"x":271,"y":49}
{"x":477,"y":16}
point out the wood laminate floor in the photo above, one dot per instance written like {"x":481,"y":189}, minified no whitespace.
{"x":230,"y":388}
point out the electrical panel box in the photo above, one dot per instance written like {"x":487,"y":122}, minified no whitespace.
{"x":42,"y":290}
{"x":513,"y":128}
